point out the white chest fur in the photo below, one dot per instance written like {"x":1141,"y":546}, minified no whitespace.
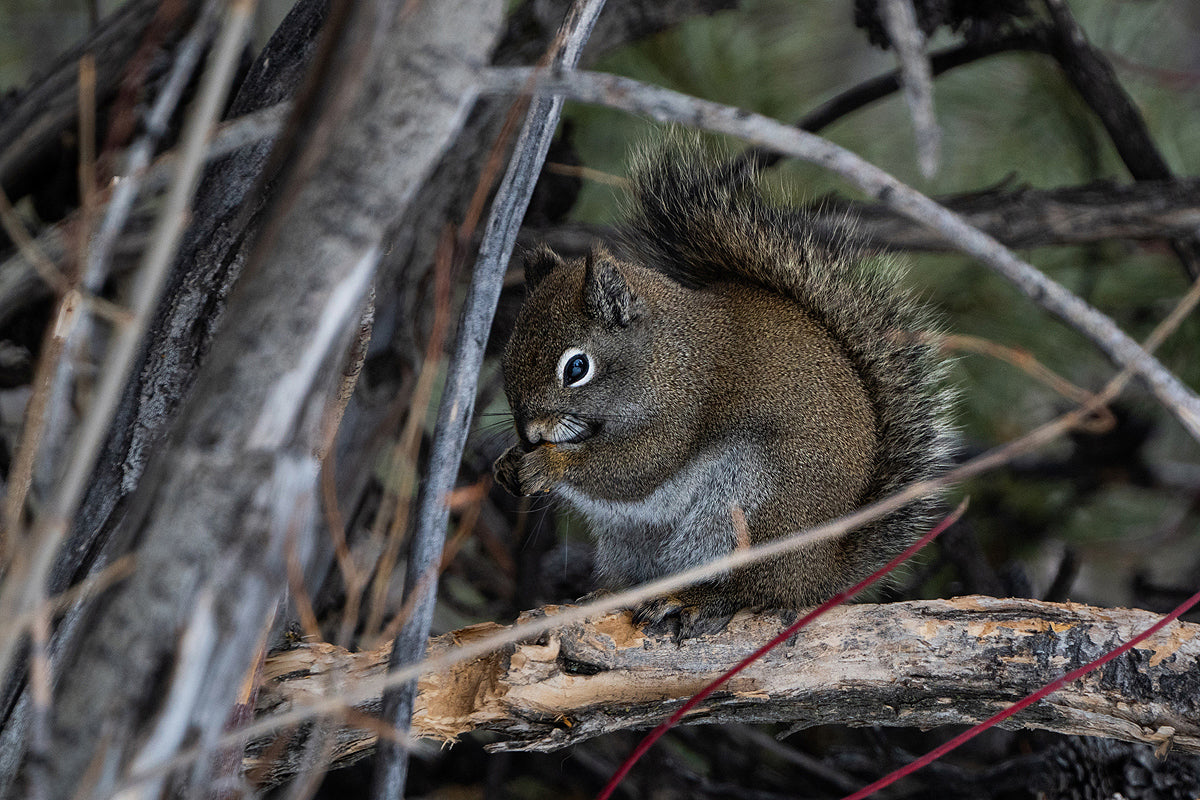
{"x":685,"y":521}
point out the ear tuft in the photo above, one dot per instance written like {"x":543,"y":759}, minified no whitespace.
{"x":606,"y":295}
{"x":539,"y":263}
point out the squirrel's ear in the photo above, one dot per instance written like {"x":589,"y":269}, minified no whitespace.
{"x":606,"y":295}
{"x":539,"y":263}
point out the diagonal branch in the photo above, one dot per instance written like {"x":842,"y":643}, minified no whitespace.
{"x":457,"y":405}
{"x":1096,"y":81}
{"x":665,"y":105}
{"x":1019,"y":218}
{"x":1025,"y":217}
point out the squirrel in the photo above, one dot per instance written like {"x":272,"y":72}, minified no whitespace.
{"x":740,"y":357}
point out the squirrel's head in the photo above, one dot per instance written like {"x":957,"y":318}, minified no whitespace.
{"x":576,"y":365}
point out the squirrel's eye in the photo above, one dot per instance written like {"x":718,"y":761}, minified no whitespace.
{"x":575,"y":367}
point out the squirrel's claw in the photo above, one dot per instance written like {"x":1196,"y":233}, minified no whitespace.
{"x":538,"y":472}
{"x":686,"y":615}
{"x":526,"y":474}
{"x":506,"y":470}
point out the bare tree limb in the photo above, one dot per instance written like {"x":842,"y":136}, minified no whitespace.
{"x":1024,"y":217}
{"x":458,"y":396}
{"x":1018,"y":218}
{"x":916,"y":75}
{"x":1096,"y":81}
{"x":235,"y":485}
{"x":923,"y":663}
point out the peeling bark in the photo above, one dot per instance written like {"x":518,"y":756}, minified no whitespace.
{"x":919,"y":664}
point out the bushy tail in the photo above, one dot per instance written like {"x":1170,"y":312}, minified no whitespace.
{"x":700,"y":218}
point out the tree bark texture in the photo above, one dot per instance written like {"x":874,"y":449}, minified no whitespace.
{"x":921,"y":664}
{"x":233,"y":493}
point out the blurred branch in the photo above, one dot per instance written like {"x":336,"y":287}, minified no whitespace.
{"x":1018,"y":218}
{"x":1096,"y":81}
{"x":236,"y":481}
{"x":881,"y":86}
{"x":920,"y":664}
{"x":458,"y":395}
{"x":1023,"y":218}
{"x":96,"y":250}
{"x":30,"y":274}
{"x":668,"y":106}
{"x":26,"y":581}
{"x":33,"y":122}
{"x":916,"y":75}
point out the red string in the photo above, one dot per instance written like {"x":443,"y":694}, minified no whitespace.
{"x":1050,"y":688}
{"x":787,"y":633}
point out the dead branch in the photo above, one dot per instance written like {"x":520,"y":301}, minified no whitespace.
{"x":920,"y":664}
{"x":1018,"y":218}
{"x":1096,"y":81}
{"x":916,"y":77}
{"x":1026,"y":217}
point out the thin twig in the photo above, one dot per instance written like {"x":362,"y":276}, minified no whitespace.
{"x":21,"y":473}
{"x":879,"y":87}
{"x":187,"y":57}
{"x":665,"y":105}
{"x":87,"y":152}
{"x":1026,"y":362}
{"x":908,"y":43}
{"x":455,"y":410}
{"x":335,"y":409}
{"x":28,"y":247}
{"x":402,"y":474}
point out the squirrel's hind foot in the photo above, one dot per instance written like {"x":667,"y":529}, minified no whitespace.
{"x":686,"y":614}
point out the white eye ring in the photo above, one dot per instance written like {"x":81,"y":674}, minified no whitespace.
{"x":569,"y":355}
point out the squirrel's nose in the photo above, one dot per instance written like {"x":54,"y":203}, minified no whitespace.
{"x":529,"y":434}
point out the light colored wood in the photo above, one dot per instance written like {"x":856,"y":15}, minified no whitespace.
{"x":920,"y":663}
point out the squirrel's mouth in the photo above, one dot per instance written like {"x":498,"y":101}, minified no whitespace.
{"x":570,"y":430}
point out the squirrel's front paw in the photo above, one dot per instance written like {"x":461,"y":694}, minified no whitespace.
{"x":540,"y":470}
{"x":687,"y":614}
{"x":529,"y":473}
{"x":507,"y":470}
